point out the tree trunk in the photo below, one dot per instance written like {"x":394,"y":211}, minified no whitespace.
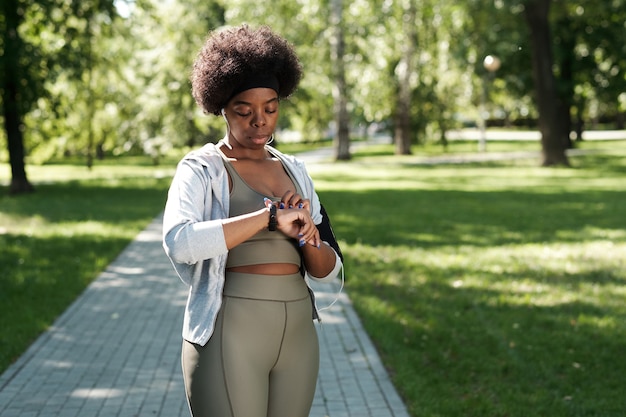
{"x":404,"y":70}
{"x":553,"y":137}
{"x":341,"y":140}
{"x":11,"y":109}
{"x":566,"y":91}
{"x":91,"y":107}
{"x":402,"y":125}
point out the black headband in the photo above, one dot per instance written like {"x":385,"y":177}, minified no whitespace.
{"x":257,"y":81}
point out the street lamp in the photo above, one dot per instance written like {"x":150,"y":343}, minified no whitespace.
{"x":491,"y":63}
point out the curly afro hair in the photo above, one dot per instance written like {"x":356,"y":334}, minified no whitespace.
{"x":231,"y":56}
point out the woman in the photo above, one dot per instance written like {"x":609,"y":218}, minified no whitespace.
{"x":242,"y":227}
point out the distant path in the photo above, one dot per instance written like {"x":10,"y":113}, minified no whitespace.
{"x":326,"y":154}
{"x":528,"y":135}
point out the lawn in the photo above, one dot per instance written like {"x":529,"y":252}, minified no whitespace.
{"x":489,"y":289}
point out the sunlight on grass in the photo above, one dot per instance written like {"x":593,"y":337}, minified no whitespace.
{"x":43,"y":174}
{"x":485,"y":284}
{"x":358,"y":176}
{"x":37,"y":225}
{"x":511,"y":317}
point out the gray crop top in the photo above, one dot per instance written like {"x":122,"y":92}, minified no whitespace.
{"x":265,"y":247}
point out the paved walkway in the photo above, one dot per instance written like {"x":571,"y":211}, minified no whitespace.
{"x":115,"y":351}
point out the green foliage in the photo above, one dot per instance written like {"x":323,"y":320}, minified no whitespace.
{"x":53,"y":37}
{"x":94,"y":82}
{"x":167,"y":38}
{"x":305,"y":25}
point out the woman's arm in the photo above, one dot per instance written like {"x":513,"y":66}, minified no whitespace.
{"x":321,"y":262}
{"x":192,"y":227}
{"x":241,"y":228}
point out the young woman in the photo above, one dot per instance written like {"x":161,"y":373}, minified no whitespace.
{"x":245,"y":230}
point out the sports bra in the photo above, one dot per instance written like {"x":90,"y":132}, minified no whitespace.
{"x":265,"y":247}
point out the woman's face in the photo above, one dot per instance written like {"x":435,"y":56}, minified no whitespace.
{"x":252,"y":116}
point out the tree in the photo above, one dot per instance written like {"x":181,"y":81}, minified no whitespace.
{"x":589,"y":56}
{"x":304,"y":24}
{"x":340,"y":93}
{"x":554,"y":136}
{"x":408,"y":66}
{"x":597,"y":56}
{"x":166,"y":36}
{"x":405,"y":71}
{"x":383,"y":66}
{"x":13,"y":102}
{"x":29,"y":64}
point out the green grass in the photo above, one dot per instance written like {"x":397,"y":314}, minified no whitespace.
{"x":460,"y":147}
{"x":489,"y":289}
{"x":297,"y":147}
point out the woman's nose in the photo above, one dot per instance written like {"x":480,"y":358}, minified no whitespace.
{"x":259,"y":121}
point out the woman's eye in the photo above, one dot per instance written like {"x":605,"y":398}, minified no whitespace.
{"x":249,"y":113}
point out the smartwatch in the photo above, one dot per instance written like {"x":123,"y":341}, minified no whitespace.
{"x":273,"y":223}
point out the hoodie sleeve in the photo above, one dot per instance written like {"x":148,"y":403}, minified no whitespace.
{"x":192,"y":226}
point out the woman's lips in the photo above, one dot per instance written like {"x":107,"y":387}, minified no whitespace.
{"x":260,"y":138}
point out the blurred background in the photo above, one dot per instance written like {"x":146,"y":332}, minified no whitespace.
{"x":92,"y":79}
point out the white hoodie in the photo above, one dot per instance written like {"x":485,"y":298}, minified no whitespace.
{"x":193,"y":237}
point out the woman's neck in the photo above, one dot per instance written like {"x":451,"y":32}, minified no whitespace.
{"x":232,"y":149}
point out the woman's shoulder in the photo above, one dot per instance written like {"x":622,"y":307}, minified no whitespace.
{"x":206,"y":155}
{"x":207,"y":159}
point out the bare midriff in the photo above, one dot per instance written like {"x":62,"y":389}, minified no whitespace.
{"x":266,"y":269}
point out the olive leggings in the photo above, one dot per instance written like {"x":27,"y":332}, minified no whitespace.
{"x":263,"y":357}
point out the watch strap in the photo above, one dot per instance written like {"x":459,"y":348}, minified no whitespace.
{"x":273,"y":223}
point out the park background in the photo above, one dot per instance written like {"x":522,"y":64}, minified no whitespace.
{"x":489,"y":288}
